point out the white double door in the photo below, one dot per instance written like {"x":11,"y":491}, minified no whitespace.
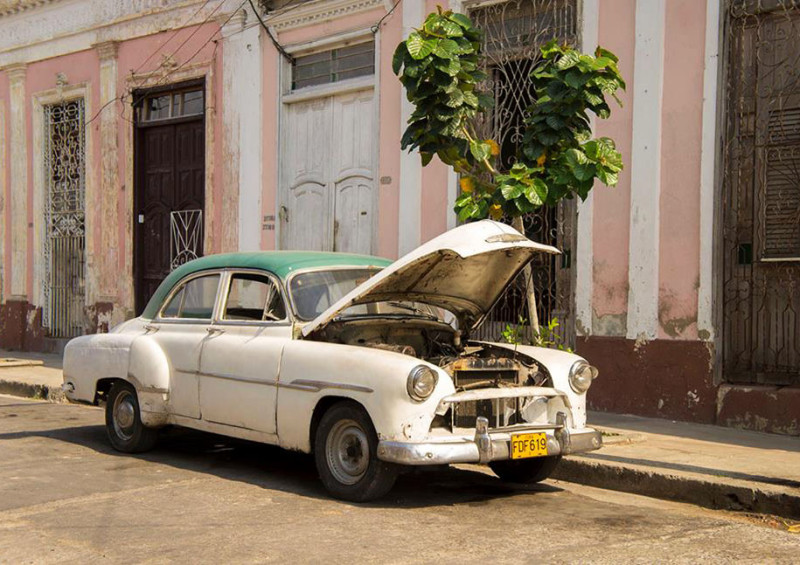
{"x":328,"y":188}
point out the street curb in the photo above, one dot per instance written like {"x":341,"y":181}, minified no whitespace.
{"x":728,"y":494}
{"x":28,"y":390}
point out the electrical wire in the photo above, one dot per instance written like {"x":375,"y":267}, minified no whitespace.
{"x":375,"y":28}
{"x":277,"y":45}
{"x":175,"y":34}
{"x":163,"y":80}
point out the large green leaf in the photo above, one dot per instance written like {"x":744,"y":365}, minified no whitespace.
{"x":418,"y":47}
{"x":480,"y":150}
{"x":567,"y":60}
{"x":511,"y":190}
{"x":398,"y":57}
{"x":461,"y":20}
{"x":446,"y":48}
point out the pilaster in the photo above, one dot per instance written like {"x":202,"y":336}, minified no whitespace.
{"x":106,"y":250}
{"x":18,"y":151}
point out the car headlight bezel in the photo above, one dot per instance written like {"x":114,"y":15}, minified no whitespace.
{"x":581,"y":376}
{"x":421,"y":383}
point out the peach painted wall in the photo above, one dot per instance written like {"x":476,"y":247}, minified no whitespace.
{"x":5,"y":170}
{"x":611,"y":228}
{"x":270,"y":90}
{"x":390,"y":133}
{"x":679,"y":261}
{"x":81,"y":67}
{"x":202,"y":46}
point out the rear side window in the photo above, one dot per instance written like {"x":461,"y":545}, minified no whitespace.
{"x":194,"y":300}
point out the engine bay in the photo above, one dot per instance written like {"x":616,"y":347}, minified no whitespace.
{"x":472,"y":365}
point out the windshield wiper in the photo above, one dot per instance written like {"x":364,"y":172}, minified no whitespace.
{"x":410,"y":308}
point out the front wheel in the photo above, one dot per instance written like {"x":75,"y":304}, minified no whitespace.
{"x":345,"y":451}
{"x":123,"y":422}
{"x":533,"y":470}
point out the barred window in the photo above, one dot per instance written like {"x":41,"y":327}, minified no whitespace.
{"x":334,"y":65}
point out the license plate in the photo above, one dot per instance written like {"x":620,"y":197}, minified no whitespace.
{"x":528,"y":445}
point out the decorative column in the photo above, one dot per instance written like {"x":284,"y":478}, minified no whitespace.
{"x":233,"y":84}
{"x":410,"y":165}
{"x":3,"y":223}
{"x":241,"y":106}
{"x":648,"y":74}
{"x":18,"y":151}
{"x":104,"y":205}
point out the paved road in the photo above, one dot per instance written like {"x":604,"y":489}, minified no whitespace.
{"x":65,"y":496}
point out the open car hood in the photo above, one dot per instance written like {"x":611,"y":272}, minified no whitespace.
{"x":464,"y":270}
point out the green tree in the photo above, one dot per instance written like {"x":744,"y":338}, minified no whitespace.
{"x":438,"y":66}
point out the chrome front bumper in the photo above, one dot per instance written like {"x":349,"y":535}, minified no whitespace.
{"x":485,"y":446}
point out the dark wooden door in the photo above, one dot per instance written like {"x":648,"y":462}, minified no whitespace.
{"x":170,"y":164}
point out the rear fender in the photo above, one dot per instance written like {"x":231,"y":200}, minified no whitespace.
{"x":149,"y":371}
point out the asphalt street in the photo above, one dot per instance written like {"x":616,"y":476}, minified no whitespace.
{"x":66,"y":496}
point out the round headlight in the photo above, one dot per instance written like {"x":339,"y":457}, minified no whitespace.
{"x":421,"y":382}
{"x":581,"y":376}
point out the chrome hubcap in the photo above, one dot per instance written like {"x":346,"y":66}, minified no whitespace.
{"x":347,"y":452}
{"x":124,"y":415}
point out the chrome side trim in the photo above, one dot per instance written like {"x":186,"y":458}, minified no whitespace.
{"x":316,"y":386}
{"x":299,"y":384}
{"x":239,"y":379}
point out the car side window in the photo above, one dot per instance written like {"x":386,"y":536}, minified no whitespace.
{"x":254,"y":297}
{"x":195,"y":299}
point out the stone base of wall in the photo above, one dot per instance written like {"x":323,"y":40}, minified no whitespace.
{"x":763,"y":408}
{"x":674,"y":379}
{"x":21,"y":326}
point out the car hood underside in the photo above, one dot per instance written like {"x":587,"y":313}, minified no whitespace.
{"x":463,"y":270}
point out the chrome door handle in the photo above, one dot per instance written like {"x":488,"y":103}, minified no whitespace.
{"x":150,"y":328}
{"x":215,"y":330}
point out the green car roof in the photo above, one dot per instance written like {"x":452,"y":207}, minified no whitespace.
{"x":281,"y":263}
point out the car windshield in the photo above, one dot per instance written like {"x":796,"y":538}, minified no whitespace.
{"x":315,"y":291}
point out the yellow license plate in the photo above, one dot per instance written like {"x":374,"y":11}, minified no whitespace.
{"x":528,"y":445}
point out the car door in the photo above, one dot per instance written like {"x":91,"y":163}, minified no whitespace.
{"x":180,"y":328}
{"x":241,"y":358}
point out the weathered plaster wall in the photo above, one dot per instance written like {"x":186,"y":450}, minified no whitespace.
{"x":679,"y":254}
{"x":661,"y":378}
{"x":99,"y":73}
{"x":611,"y":217}
{"x":5,"y":179}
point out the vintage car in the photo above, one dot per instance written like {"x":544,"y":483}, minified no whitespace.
{"x":364,"y":362}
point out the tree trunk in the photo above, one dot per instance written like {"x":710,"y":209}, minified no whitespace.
{"x":533,"y":316}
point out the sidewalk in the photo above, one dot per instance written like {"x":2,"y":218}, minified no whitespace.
{"x":709,"y":466}
{"x":37,"y":381}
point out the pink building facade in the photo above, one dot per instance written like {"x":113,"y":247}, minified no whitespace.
{"x":111,"y":171}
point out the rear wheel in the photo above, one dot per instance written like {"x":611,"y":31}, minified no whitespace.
{"x":532,"y":470}
{"x":123,"y":422}
{"x":345,"y":451}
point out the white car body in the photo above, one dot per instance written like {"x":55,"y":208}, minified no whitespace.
{"x":271,"y":381}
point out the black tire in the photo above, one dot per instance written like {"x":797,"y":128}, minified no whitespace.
{"x":124,"y":423}
{"x":533,"y":470}
{"x":345,"y":451}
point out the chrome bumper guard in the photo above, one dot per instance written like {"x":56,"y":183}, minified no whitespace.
{"x":485,"y":446}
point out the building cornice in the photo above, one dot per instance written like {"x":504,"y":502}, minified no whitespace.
{"x":317,"y":11}
{"x":9,"y":7}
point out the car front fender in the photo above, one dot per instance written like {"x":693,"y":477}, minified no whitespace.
{"x":376,"y":379}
